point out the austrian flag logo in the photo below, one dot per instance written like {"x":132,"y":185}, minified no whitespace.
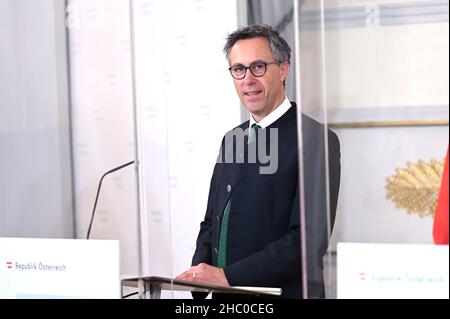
{"x":9,"y":264}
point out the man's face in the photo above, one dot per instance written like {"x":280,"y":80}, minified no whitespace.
{"x":260,"y":95}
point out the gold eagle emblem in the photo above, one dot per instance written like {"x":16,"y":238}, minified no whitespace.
{"x":416,"y":187}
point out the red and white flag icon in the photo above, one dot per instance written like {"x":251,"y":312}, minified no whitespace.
{"x":9,"y":264}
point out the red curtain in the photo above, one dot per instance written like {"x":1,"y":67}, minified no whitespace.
{"x":440,"y":226}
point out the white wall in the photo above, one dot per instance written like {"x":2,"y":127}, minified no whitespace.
{"x":35,"y":160}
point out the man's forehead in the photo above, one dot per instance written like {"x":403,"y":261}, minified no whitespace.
{"x":252,"y":42}
{"x":250,"y":50}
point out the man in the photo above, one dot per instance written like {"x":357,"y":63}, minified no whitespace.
{"x":251,"y":232}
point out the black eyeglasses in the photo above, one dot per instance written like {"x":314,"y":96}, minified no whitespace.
{"x":258,"y":68}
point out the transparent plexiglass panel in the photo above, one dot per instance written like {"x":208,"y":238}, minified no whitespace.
{"x":376,"y":74}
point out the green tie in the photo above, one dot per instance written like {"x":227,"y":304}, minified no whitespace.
{"x":222,"y":254}
{"x":253,"y":132}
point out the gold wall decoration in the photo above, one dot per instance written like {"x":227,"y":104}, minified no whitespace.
{"x":416,"y":188}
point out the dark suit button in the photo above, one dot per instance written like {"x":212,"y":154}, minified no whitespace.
{"x":229,"y":188}
{"x":218,"y":219}
{"x":215,"y":250}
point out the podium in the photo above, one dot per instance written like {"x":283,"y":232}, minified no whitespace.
{"x":53,"y":268}
{"x":392,"y":271}
{"x":150,"y":287}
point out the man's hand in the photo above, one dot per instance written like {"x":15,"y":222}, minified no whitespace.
{"x":204,"y":273}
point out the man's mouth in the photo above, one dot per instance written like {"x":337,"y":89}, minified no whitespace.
{"x":252,"y":93}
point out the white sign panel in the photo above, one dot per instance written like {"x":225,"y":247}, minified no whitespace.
{"x":59,"y":268}
{"x":392,"y":271}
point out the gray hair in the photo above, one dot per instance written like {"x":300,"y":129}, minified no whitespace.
{"x":279,"y":47}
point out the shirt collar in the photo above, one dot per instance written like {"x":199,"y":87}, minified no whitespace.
{"x":273,"y":116}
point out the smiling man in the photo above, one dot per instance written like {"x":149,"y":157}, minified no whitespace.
{"x":262,"y":91}
{"x":250,"y":235}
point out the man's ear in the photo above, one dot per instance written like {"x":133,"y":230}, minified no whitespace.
{"x":284,"y":69}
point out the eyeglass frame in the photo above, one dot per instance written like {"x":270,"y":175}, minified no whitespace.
{"x":249,"y":68}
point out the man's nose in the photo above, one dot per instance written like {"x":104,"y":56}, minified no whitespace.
{"x":249,"y":77}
